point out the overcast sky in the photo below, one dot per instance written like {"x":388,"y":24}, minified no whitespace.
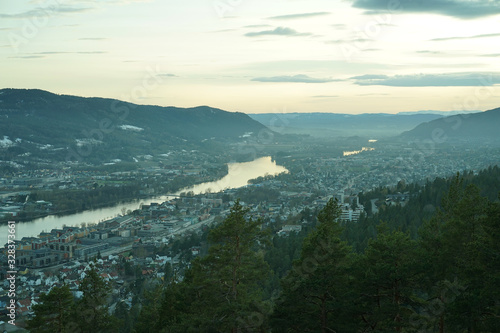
{"x":256,"y":56}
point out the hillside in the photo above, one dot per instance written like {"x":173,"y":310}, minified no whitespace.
{"x":465,"y":127}
{"x":43,"y":124}
{"x":337,"y":124}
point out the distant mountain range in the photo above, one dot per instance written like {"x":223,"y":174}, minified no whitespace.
{"x":441,"y":113}
{"x":39,"y":123}
{"x":336,"y":124}
{"x":479,"y":126}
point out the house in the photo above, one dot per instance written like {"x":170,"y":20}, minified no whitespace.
{"x":195,"y":251}
{"x":106,"y":277}
{"x":24,"y":306}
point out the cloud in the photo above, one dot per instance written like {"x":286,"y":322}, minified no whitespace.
{"x":52,"y":52}
{"x":48,"y":11}
{"x":429,"y":52}
{"x":279,"y":31}
{"x":369,"y":77}
{"x":28,"y":57}
{"x":300,"y":78}
{"x":339,"y":67}
{"x":448,"y":54}
{"x":464,"y":9}
{"x":257,"y":26}
{"x":349,"y":41}
{"x":430,"y":80}
{"x":80,"y":52}
{"x":466,"y":37}
{"x":298,"y":16}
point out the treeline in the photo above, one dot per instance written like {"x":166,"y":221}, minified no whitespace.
{"x":445,"y":281}
{"x":425,"y":201}
{"x":256,"y":195}
{"x":59,"y":311}
{"x":69,"y":201}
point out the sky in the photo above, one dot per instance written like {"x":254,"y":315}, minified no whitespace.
{"x":256,"y":56}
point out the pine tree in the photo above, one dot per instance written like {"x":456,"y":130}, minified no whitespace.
{"x":123,"y":314}
{"x":53,"y":313}
{"x":222,"y":292}
{"x":388,"y":273}
{"x":454,"y":243}
{"x":91,"y":311}
{"x":150,"y":318}
{"x":316,"y":293}
{"x":490,"y":257}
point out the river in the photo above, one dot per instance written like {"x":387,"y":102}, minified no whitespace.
{"x":238,"y":175}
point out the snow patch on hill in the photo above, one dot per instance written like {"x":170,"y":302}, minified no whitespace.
{"x":6,"y":142}
{"x":131,"y":128}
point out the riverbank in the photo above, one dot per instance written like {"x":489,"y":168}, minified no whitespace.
{"x":97,"y":194}
{"x":73,"y":211}
{"x":238,"y":175}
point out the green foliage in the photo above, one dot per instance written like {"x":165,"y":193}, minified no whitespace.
{"x":386,"y":277}
{"x":425,"y":201}
{"x":91,"y":310}
{"x":458,"y":243}
{"x":221,"y":291}
{"x":149,"y":318}
{"x":318,"y":280}
{"x":444,"y":281}
{"x":256,"y":195}
{"x":227,"y":279}
{"x":125,"y":316}
{"x":53,"y":313}
{"x":77,"y":200}
{"x":283,"y":252}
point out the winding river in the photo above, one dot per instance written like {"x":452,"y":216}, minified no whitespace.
{"x":238,"y":175}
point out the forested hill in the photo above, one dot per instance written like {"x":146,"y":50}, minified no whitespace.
{"x":464,"y":127}
{"x":43,"y":123}
{"x":423,"y":203}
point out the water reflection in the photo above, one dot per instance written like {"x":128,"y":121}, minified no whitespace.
{"x":355,"y":152}
{"x":238,"y":175}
